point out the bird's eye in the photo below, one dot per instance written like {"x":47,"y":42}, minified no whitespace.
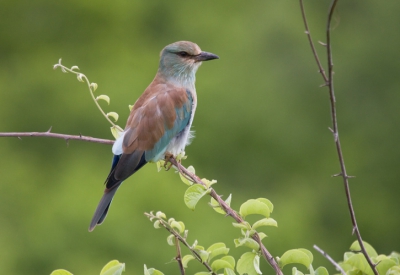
{"x":183,"y":54}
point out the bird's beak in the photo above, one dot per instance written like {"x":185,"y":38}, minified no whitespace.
{"x":204,"y":56}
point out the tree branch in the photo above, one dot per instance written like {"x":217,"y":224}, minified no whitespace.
{"x":333,"y":262}
{"x":228,"y":210}
{"x":329,"y":82}
{"x":55,"y":135}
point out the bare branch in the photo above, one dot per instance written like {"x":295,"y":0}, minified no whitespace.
{"x":333,"y":262}
{"x":55,"y":135}
{"x":178,"y":257}
{"x":329,"y":81}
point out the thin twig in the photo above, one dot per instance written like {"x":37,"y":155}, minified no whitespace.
{"x":55,"y":135}
{"x":230,"y":212}
{"x":178,"y":257}
{"x":182,"y":240}
{"x":329,"y":82}
{"x":333,"y":262}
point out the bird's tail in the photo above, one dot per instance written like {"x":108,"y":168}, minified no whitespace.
{"x":102,"y":209}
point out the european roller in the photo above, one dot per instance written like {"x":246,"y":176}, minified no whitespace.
{"x":160,"y":120}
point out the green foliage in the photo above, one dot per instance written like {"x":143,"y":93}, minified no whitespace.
{"x":113,"y":267}
{"x":355,"y":263}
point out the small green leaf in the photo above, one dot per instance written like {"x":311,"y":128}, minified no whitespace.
{"x":171,"y":240}
{"x":265,"y":222}
{"x":114,"y":115}
{"x":268,"y":203}
{"x":113,"y":268}
{"x":130,"y":107}
{"x":228,"y":271}
{"x":215,"y":205}
{"x":295,"y":256}
{"x":193,"y":194}
{"x":116,"y":132}
{"x":152,"y":271}
{"x":225,"y":262}
{"x":80,"y":77}
{"x":61,"y":272}
{"x":395,"y":270}
{"x":359,"y":262}
{"x":217,"y":249}
{"x":157,"y":224}
{"x":74,"y":68}
{"x":207,"y":182}
{"x":321,"y":271}
{"x":355,"y":246}
{"x":93,"y":86}
{"x":186,"y":259}
{"x":246,"y":264}
{"x":180,"y":226}
{"x":256,"y":264}
{"x":243,"y":225}
{"x":252,"y":206}
{"x":203,"y":254}
{"x":104,"y":97}
{"x":161,"y":215}
{"x":249,"y":242}
{"x":385,"y":263}
{"x":262,"y":235}
{"x":185,"y":180}
{"x":296,"y":272}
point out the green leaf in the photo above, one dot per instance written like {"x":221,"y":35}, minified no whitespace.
{"x":252,"y":207}
{"x":185,"y":180}
{"x":249,"y":242}
{"x":296,"y":272}
{"x":359,"y":262}
{"x":193,"y":194}
{"x":160,"y":215}
{"x":93,"y":86}
{"x":355,"y":246}
{"x":207,"y":182}
{"x":103,"y":97}
{"x":222,"y":263}
{"x":113,"y":268}
{"x":157,"y":224}
{"x":265,"y":222}
{"x":203,"y":254}
{"x":171,"y":240}
{"x":385,"y":263}
{"x":152,"y":271}
{"x":243,"y":225}
{"x":395,"y":270}
{"x":115,"y":131}
{"x":256,"y":264}
{"x":61,"y":272}
{"x":180,"y":226}
{"x":268,"y":203}
{"x":321,"y":271}
{"x":246,"y":264}
{"x":114,"y":115}
{"x":130,"y":107}
{"x":186,"y":259}
{"x":262,"y":235}
{"x":228,"y":271}
{"x":80,"y":77}
{"x":215,"y":205}
{"x":295,"y":256}
{"x":217,"y":249}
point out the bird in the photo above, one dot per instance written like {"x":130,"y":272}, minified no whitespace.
{"x":159,"y":123}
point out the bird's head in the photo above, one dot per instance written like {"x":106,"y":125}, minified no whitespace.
{"x":180,"y":60}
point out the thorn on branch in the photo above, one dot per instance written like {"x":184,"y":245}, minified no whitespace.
{"x":326,"y":84}
{"x":322,"y":43}
{"x":19,"y":138}
{"x":337,"y":175}
{"x":330,"y":129}
{"x":48,"y":131}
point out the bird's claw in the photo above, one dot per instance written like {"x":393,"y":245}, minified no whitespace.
{"x":167,"y":159}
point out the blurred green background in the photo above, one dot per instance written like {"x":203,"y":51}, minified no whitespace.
{"x":261,"y":128}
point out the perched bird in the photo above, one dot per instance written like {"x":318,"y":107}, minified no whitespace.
{"x":159,"y":122}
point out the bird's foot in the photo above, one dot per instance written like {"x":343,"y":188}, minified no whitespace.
{"x":167,"y":159}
